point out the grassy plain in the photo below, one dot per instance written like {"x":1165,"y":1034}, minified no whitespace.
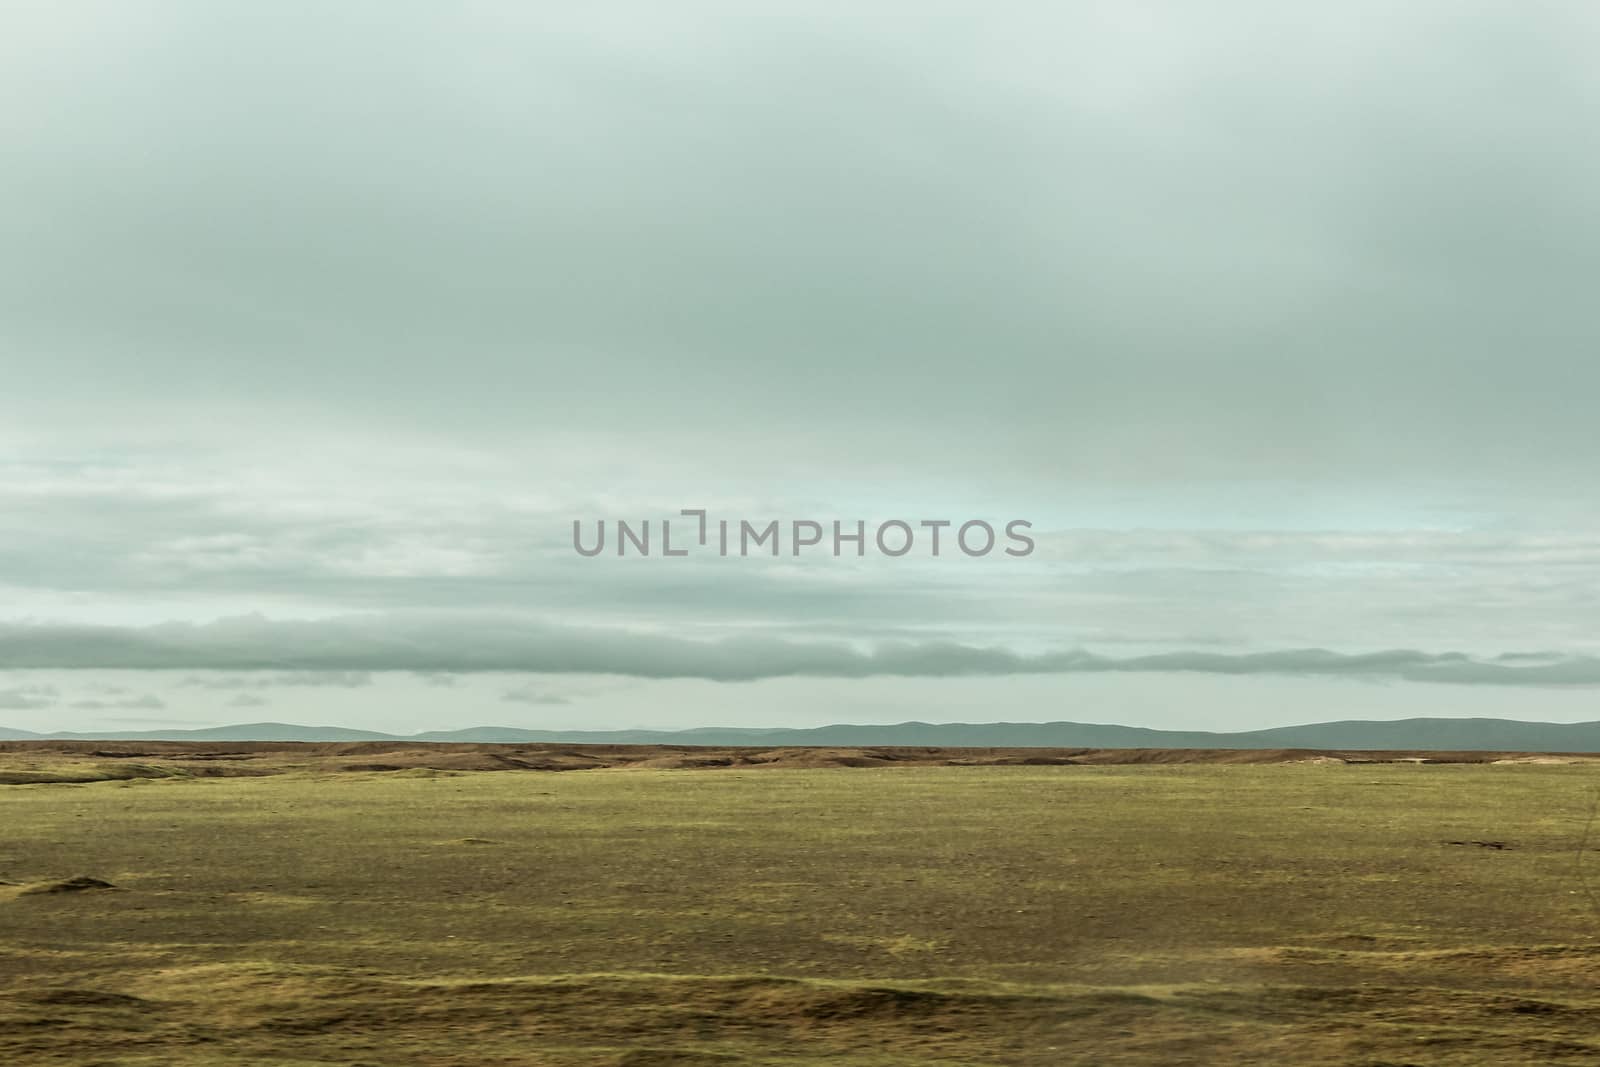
{"x":1161,"y":914}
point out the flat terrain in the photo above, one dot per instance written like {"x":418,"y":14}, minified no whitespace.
{"x":380,"y":905}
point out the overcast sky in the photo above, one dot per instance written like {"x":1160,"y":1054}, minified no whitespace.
{"x":319,"y":324}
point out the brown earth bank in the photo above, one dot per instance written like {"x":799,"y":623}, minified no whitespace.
{"x":31,"y":762}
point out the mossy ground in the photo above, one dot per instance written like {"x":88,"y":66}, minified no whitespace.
{"x":1163,"y":914}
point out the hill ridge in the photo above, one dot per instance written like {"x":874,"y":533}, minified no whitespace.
{"x":1452,"y":734}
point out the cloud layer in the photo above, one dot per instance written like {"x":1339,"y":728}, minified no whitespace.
{"x":1106,"y":241}
{"x":338,"y":652}
{"x":1277,"y":324}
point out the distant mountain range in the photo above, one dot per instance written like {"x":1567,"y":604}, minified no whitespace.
{"x":1502,"y":735}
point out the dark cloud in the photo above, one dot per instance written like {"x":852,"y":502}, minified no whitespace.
{"x":348,"y":648}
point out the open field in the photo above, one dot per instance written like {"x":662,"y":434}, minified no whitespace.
{"x":300,"y":905}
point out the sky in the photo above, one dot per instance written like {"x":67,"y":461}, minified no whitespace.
{"x":321,"y":324}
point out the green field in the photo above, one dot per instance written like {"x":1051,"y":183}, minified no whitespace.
{"x":1298,"y":913}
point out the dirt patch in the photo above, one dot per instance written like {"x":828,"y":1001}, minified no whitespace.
{"x":79,"y":884}
{"x":87,"y":998}
{"x":666,"y":1057}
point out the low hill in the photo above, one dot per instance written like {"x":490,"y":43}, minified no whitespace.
{"x":1421,"y":734}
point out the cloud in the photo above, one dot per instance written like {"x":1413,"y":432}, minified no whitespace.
{"x":355,"y":679}
{"x":143,"y":703}
{"x":529,"y":694}
{"x":29,"y":698}
{"x":438,"y":679}
{"x":1355,"y":234}
{"x":96,"y":546}
{"x":141,"y":720}
{"x":1145,"y":269}
{"x":346,"y":649}
{"x":349,"y":679}
{"x":248,"y":700}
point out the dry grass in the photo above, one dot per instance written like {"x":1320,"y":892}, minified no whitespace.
{"x":1162,"y":914}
